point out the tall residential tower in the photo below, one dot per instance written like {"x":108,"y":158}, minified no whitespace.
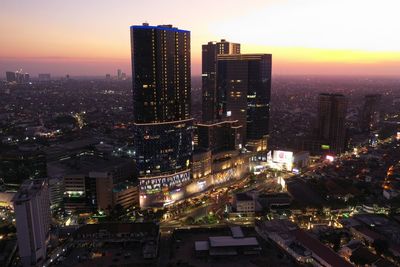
{"x":32,"y":211}
{"x":332,"y":110}
{"x":209,"y":69}
{"x":162,"y":118}
{"x":244,"y":92}
{"x":370,"y":113}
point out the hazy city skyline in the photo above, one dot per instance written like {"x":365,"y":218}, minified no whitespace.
{"x":305,"y":37}
{"x":199,"y":133}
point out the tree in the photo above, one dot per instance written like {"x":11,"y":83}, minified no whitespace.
{"x":189,"y":220}
{"x":357,"y":260}
{"x":381,"y":246}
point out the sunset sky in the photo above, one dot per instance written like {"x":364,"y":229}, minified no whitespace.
{"x":91,"y":37}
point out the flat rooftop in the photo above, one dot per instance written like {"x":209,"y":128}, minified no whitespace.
{"x":237,"y":232}
{"x":229,"y":241}
{"x":201,"y":246}
{"x":29,"y":189}
{"x":184,"y":244}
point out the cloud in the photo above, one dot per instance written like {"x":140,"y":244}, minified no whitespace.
{"x":341,"y":24}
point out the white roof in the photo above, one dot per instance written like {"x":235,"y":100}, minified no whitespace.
{"x":237,"y":232}
{"x":229,"y":241}
{"x":201,"y":245}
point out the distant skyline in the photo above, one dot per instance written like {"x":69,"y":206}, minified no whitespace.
{"x":306,"y":37}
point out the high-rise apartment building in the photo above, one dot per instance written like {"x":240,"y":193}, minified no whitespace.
{"x":244,"y":92}
{"x":370,"y":113}
{"x":17,"y":76}
{"x":10,"y":76}
{"x":209,"y":68}
{"x":332,"y":110}
{"x":162,"y":119}
{"x":32,"y":210}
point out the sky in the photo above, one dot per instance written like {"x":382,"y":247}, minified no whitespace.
{"x":306,"y":37}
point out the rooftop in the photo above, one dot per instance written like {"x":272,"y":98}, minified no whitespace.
{"x":367,"y":232}
{"x":278,"y":226}
{"x":29,"y":189}
{"x":236,"y":232}
{"x":201,"y":246}
{"x":366,"y":255}
{"x":122,"y":186}
{"x":231,"y":57}
{"x":243,"y":197}
{"x":116,"y":228}
{"x":167,"y":27}
{"x":229,"y":241}
{"x":322,"y":251}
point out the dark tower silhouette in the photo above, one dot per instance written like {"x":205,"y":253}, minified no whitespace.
{"x":162,"y":118}
{"x":209,"y":69}
{"x":244,"y":92}
{"x":332,"y":110}
{"x":370,"y":115}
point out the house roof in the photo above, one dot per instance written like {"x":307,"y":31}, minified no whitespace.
{"x":319,"y":249}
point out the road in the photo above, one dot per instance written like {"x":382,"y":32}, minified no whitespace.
{"x":215,"y":202}
{"x":164,"y":248}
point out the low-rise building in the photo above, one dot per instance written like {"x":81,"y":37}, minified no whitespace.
{"x":244,"y":203}
{"x":126,"y":195}
{"x":89,"y":181}
{"x":237,"y":244}
{"x":299,"y":244}
{"x":146,"y":234}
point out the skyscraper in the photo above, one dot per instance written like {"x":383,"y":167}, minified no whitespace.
{"x":17,"y":76}
{"x":244,"y":92}
{"x":32,"y":210}
{"x":209,"y":68}
{"x":370,"y":115}
{"x":332,"y":110}
{"x":162,"y":120}
{"x":10,"y":76}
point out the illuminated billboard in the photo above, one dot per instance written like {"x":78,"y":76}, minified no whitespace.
{"x":325,"y":147}
{"x":280,"y":156}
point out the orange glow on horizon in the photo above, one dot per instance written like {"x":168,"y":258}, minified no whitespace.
{"x":304,"y":36}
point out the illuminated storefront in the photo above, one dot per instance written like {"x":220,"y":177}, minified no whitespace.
{"x":159,"y":190}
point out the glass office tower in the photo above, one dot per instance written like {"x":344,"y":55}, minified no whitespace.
{"x":209,"y":72}
{"x":244,"y":92}
{"x":162,"y":119}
